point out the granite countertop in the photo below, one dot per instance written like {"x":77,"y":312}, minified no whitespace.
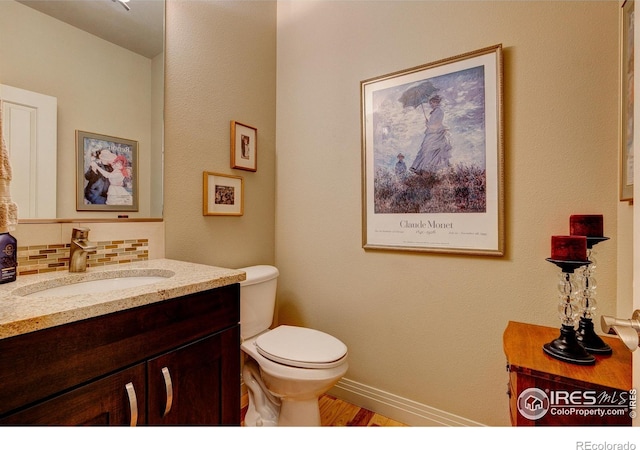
{"x":19,"y":314}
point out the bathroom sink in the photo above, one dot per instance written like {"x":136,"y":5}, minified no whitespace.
{"x":82,"y":284}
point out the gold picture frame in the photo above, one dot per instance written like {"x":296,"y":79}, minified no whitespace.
{"x":106,"y":173}
{"x":446,"y":119}
{"x":222,"y":195}
{"x":626,"y":102}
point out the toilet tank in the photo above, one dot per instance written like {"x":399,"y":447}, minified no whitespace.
{"x":257,"y":299}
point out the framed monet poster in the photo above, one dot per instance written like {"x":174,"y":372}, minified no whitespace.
{"x":244,"y":147}
{"x":107,"y":173}
{"x":432,"y":157}
{"x":626,"y":101}
{"x":222,"y":195}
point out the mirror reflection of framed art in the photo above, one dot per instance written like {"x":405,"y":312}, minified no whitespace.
{"x":107,"y":173}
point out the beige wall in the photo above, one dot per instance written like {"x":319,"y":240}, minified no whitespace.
{"x":428,"y":327}
{"x":100,"y":87}
{"x":220,"y":66}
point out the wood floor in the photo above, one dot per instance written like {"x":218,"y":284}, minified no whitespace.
{"x":338,"y":413}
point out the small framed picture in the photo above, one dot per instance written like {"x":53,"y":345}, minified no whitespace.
{"x":222,"y":195}
{"x":107,"y":173}
{"x":244,"y":147}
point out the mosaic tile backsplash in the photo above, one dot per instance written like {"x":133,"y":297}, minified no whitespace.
{"x":34,"y":259}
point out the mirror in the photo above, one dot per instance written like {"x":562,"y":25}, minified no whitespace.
{"x":103,"y":61}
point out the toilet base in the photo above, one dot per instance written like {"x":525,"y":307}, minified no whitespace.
{"x":299,"y":413}
{"x":266,"y":410}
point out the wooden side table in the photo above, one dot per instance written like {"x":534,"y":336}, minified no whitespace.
{"x":546,"y":391}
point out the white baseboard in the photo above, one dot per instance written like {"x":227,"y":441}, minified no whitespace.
{"x":397,"y":408}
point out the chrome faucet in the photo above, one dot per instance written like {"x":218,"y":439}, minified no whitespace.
{"x":80,"y":246}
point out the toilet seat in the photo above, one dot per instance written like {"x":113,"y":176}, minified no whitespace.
{"x":301,"y":347}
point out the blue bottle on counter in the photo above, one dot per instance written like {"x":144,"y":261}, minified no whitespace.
{"x":8,"y":258}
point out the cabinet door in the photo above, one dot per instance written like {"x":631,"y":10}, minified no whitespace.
{"x":117,"y":399}
{"x":197,"y":384}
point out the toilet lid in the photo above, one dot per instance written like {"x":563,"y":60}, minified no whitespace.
{"x":301,"y":347}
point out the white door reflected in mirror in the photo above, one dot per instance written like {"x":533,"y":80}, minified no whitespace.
{"x":30,"y":133}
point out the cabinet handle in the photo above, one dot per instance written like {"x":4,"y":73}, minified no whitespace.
{"x":169,"y":388}
{"x":133,"y":404}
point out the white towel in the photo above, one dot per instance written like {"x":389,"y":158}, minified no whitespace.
{"x":8,"y":209}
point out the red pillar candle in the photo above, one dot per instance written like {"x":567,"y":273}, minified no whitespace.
{"x":569,"y":248}
{"x":589,"y":225}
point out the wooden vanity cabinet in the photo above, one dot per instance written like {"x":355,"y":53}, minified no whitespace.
{"x":181,"y":357}
{"x":102,"y":402}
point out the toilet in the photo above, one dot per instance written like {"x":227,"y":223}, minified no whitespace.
{"x":286,"y":369}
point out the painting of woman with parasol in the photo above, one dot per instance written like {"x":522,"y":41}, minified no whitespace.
{"x":445,"y":119}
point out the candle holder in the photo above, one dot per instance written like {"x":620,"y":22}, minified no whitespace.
{"x":587,"y":292}
{"x":566,"y":346}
